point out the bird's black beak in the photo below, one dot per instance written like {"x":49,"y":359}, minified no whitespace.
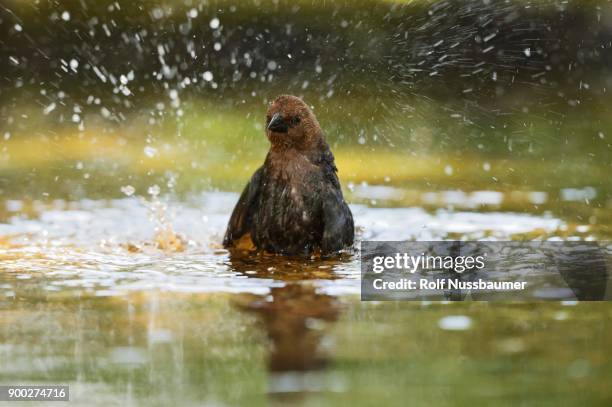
{"x":277,"y":124}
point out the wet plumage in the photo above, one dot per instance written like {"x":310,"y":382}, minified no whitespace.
{"x":293,"y":204}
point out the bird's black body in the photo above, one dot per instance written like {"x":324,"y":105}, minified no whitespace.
{"x":293,"y":204}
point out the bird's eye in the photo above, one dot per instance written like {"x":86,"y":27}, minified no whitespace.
{"x":295,"y":120}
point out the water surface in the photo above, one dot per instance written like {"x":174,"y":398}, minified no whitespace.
{"x":133,"y":301}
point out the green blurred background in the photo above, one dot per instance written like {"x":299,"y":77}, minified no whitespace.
{"x":499,"y":95}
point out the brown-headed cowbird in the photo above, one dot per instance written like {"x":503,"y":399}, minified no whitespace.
{"x":293,"y":204}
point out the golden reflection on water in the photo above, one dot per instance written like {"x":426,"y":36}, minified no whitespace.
{"x":285,"y":268}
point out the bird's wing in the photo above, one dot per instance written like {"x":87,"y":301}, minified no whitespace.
{"x":325,"y":160}
{"x":338,"y":226}
{"x":242,"y":216}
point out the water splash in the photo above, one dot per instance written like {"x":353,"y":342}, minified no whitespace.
{"x":165,"y":238}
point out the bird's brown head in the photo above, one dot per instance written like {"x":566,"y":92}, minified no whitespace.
{"x":291,"y":123}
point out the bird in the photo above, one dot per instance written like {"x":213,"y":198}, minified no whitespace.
{"x":293,"y":204}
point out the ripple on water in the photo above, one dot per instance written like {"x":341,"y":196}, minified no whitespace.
{"x":108,"y":247}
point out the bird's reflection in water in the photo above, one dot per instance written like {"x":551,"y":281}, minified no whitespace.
{"x":296,"y":318}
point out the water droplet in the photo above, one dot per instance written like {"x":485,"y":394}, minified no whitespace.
{"x":455,"y":323}
{"x":48,"y":109}
{"x":150,"y":151}
{"x":66,"y":16}
{"x":207,"y":76}
{"x":448,"y":170}
{"x":527,"y":52}
{"x":157,"y":13}
{"x":128,"y":190}
{"x":153,"y":190}
{"x":214,"y":23}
